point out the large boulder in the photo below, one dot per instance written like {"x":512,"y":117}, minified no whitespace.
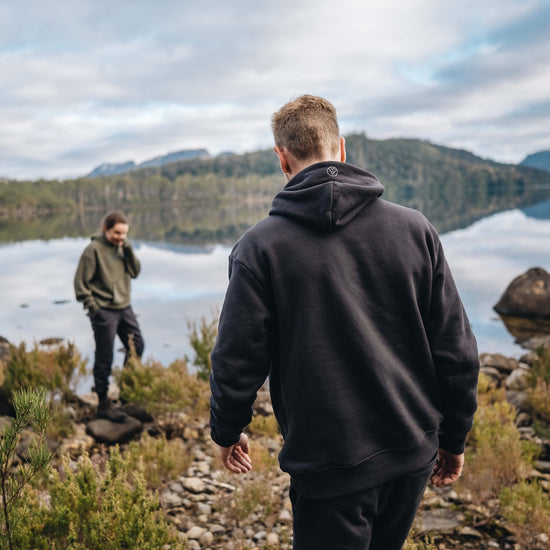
{"x":104,"y":431}
{"x":527,"y":296}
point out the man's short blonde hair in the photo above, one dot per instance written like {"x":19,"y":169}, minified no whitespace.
{"x":307,"y":127}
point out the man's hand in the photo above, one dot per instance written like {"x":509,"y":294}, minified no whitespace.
{"x":235,"y":458}
{"x":447,"y":469}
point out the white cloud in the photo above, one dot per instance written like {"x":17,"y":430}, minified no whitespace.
{"x":88,"y":82}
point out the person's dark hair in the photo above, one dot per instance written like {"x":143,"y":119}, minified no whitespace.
{"x":112,"y":218}
{"x":307,"y":127}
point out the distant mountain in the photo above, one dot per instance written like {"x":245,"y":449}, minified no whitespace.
{"x":540,"y":160}
{"x":108,"y":169}
{"x":186,"y":154}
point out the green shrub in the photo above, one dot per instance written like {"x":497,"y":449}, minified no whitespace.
{"x":538,"y":392}
{"x":57,"y":369}
{"x":264,"y":426}
{"x":30,"y":408}
{"x":424,"y":543}
{"x":165,"y":459}
{"x":202,"y":339}
{"x":89,"y":509}
{"x":526,"y":508}
{"x":161,"y":389}
{"x":497,"y":456}
{"x":253,"y":495}
{"x":61,"y":425}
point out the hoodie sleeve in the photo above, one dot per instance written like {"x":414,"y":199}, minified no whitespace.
{"x":133,"y":266}
{"x":84,"y":274}
{"x":455,"y":355}
{"x":240,"y":358}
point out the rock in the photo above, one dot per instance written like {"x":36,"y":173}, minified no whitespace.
{"x":441,"y":520}
{"x":523,"y":419}
{"x":517,"y":380}
{"x":76,"y":446}
{"x":170,"y":499}
{"x":527,"y":295}
{"x":499,"y":362}
{"x":137,"y":411}
{"x":543,"y":466}
{"x":493,"y":374}
{"x":105,"y":431}
{"x":195,"y":532}
{"x":470,"y":532}
{"x":193,"y":484}
{"x":285,"y":516}
{"x":518,"y":399}
{"x":272,"y":539}
{"x":206,"y":539}
{"x":5,"y":349}
{"x":529,"y":358}
{"x":53,"y":341}
{"x":5,"y":421}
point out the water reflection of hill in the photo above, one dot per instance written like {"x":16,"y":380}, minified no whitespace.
{"x":540,"y":211}
{"x":200,"y":227}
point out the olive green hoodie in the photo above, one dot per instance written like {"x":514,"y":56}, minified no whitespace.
{"x":103,"y":275}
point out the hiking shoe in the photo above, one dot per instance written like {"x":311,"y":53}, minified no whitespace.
{"x":108,"y":411}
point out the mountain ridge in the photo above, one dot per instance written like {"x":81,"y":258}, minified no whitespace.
{"x":111,"y":169}
{"x":539,"y":160}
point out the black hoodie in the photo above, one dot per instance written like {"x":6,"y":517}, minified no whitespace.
{"x":347,"y":303}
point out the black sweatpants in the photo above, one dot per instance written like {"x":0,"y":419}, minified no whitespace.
{"x":107,"y":323}
{"x":378,"y":518}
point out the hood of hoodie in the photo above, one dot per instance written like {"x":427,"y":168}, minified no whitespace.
{"x":327,"y":194}
{"x":100,"y":236}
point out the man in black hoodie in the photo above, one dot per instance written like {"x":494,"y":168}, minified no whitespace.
{"x":346,"y":302}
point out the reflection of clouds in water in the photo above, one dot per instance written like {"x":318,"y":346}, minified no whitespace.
{"x":169,"y":275}
{"x":490,"y":253}
{"x":39,"y":270}
{"x":484,"y":258}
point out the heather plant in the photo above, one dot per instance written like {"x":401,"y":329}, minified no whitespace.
{"x":165,"y":459}
{"x":264,"y":426}
{"x":31,"y":408}
{"x":56,"y":370}
{"x":526,"y":508}
{"x":89,"y":508}
{"x":253,"y":496}
{"x":161,"y":389}
{"x":538,"y":392}
{"x":425,"y":543}
{"x":498,"y":458}
{"x":202,"y":339}
{"x":263,"y":460}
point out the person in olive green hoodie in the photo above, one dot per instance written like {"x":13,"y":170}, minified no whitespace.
{"x":102,"y":284}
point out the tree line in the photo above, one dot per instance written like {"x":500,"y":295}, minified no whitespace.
{"x":205,"y":199}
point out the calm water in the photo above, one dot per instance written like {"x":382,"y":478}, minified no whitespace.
{"x":179,"y":285}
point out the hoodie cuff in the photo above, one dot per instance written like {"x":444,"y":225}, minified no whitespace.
{"x":224,"y":441}
{"x":452,"y":444}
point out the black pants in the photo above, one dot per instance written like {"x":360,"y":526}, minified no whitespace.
{"x":107,"y":323}
{"x":378,"y":518}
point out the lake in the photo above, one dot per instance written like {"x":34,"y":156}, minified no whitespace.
{"x":180,"y":284}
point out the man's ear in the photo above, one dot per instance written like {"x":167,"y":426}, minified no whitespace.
{"x":342,"y":149}
{"x":283,"y":159}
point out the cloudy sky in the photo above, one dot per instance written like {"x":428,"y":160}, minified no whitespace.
{"x":90,"y":81}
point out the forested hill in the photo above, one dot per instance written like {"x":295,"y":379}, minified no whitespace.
{"x":222,"y":195}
